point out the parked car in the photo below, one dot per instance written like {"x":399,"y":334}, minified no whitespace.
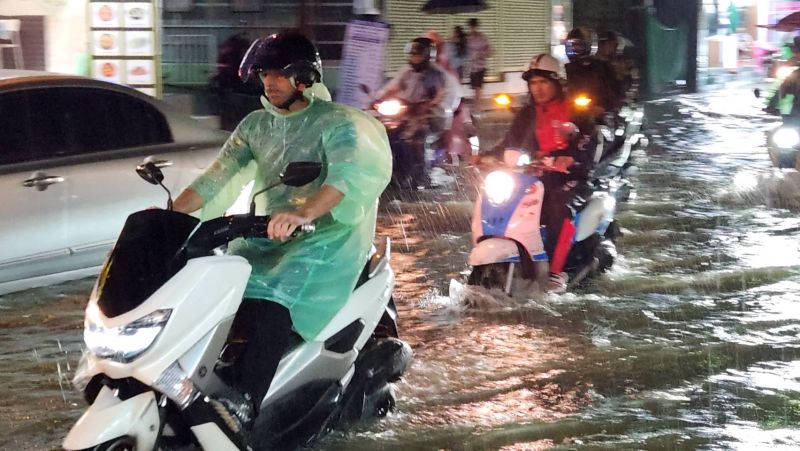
{"x":69,"y":147}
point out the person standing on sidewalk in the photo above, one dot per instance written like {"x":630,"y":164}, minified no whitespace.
{"x":479,"y":51}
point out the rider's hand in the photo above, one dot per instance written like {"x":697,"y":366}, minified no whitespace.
{"x":486,"y":161}
{"x":562,"y":163}
{"x":282,"y":225}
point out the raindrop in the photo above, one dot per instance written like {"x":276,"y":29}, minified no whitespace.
{"x":60,"y":384}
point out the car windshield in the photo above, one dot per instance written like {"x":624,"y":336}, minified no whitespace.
{"x":148,"y":252}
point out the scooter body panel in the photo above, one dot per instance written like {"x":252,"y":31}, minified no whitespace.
{"x":109,"y":418}
{"x":516,"y":219}
{"x":206,"y":291}
{"x":595,"y":216}
{"x":212,"y":438}
{"x":493,"y":250}
{"x":311,"y":361}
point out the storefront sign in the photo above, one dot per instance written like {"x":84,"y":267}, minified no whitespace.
{"x":124,"y":44}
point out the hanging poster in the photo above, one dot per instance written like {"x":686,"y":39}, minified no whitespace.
{"x":362,"y":61}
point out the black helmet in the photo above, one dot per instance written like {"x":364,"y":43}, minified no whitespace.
{"x":289,"y":52}
{"x":422,"y":46}
{"x":603,"y":36}
{"x":578,"y":44}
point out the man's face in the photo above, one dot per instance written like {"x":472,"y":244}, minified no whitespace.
{"x":542,"y":89}
{"x":277,"y":87}
{"x":415,"y":58}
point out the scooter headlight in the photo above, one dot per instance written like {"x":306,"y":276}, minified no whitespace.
{"x":123,"y":343}
{"x":389,"y":107}
{"x":499,"y":185}
{"x":786,"y":138}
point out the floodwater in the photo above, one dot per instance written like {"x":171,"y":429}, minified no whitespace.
{"x":691,"y":341}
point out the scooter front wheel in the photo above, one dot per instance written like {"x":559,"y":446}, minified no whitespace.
{"x":489,"y":276}
{"x":496,"y":276}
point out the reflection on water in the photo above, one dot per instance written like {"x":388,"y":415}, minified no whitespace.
{"x":690,"y":341}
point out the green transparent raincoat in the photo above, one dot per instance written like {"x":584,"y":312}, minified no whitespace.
{"x":314,"y":274}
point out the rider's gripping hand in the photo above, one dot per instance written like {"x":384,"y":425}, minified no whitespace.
{"x":282,"y":225}
{"x":562,"y":164}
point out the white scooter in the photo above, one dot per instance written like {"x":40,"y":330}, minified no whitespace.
{"x":156,"y":328}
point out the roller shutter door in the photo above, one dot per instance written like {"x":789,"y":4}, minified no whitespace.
{"x":517,"y":29}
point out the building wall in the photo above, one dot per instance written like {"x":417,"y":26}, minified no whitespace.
{"x":517,"y":29}
{"x":65,"y":30}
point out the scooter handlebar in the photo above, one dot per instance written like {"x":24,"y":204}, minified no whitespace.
{"x":220,"y":231}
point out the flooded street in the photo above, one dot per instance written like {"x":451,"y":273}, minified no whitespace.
{"x":691,"y":341}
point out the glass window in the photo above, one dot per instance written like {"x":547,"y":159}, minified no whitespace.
{"x":61,"y":122}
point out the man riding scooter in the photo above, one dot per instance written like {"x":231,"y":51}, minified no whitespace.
{"x":789,"y":86}
{"x":591,"y":76}
{"x":422,"y":87}
{"x":548,"y":112}
{"x":299,"y":284}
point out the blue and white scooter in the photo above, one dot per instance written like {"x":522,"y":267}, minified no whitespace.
{"x":508,"y":250}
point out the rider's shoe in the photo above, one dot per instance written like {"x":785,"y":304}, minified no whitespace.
{"x":236,"y":410}
{"x":557,"y":283}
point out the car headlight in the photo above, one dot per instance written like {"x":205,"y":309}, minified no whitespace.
{"x":499,"y":185}
{"x":786,"y":138}
{"x":389,"y":107}
{"x":123,"y":343}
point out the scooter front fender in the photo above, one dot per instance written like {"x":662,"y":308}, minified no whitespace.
{"x":492,"y":250}
{"x":109,"y":418}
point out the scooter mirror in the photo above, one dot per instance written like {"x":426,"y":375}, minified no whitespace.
{"x":150,"y":173}
{"x":299,"y":173}
{"x":757,"y":93}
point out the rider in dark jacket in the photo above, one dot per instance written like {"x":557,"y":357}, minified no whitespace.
{"x":589,"y":75}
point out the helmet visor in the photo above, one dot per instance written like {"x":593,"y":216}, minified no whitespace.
{"x":576,"y":47}
{"x":251,"y":65}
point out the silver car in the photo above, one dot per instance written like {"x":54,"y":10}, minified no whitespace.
{"x":69,"y":147}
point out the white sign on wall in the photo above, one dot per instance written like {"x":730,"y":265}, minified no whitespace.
{"x":362,"y":61}
{"x":124,"y":43}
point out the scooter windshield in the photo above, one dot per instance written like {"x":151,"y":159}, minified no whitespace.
{"x":148,"y":252}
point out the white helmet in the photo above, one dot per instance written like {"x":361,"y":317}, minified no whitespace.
{"x":543,"y":65}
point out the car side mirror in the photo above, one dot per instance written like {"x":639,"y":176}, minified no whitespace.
{"x":150,"y":173}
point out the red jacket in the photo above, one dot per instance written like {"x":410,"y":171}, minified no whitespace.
{"x":548,"y":120}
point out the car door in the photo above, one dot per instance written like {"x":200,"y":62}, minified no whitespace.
{"x":35,"y":190}
{"x":119,"y":131}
